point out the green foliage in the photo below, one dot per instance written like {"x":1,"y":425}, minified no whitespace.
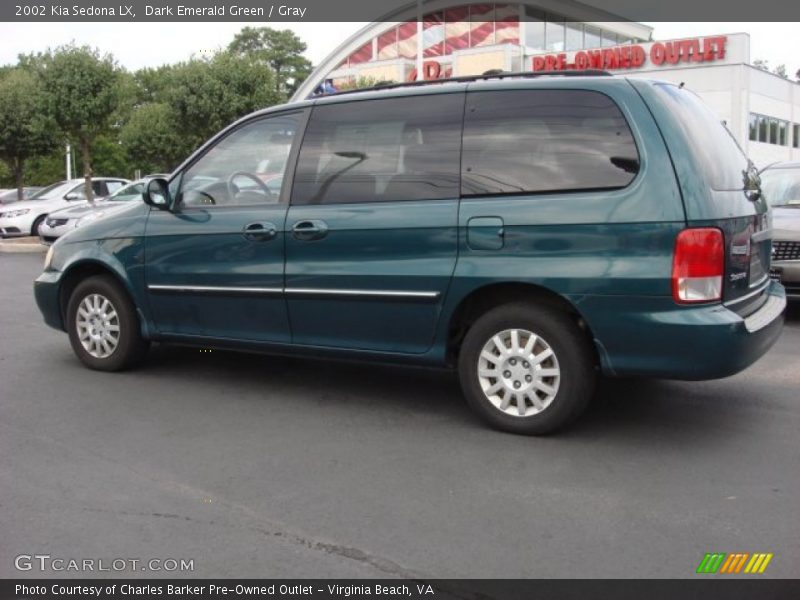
{"x":84,"y":92}
{"x":83,"y":88}
{"x":45,"y":168}
{"x":363,"y":82}
{"x":151,"y":140}
{"x":26,"y":129}
{"x":149,"y":120}
{"x":206,"y":95}
{"x":280,"y":50}
{"x":780,"y":70}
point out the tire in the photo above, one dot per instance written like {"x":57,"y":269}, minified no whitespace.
{"x":96,"y":297}
{"x":35,"y":227}
{"x":551,"y":393}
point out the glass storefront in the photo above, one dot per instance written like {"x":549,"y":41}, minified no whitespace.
{"x":477,"y":25}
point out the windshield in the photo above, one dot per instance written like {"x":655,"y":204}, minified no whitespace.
{"x":781,"y":187}
{"x":44,"y":192}
{"x":129,"y":192}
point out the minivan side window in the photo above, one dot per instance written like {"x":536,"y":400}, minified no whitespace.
{"x":243,"y":168}
{"x":535,"y":141}
{"x":384,"y":150}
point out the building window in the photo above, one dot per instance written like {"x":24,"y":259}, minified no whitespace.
{"x":554,"y":40}
{"x":574,"y":38}
{"x":770,"y":130}
{"x":753,"y":129}
{"x":534,"y":29}
{"x":609,"y":39}
{"x":592,"y":37}
{"x":796,"y":136}
{"x":783,"y":132}
{"x":481,"y":18}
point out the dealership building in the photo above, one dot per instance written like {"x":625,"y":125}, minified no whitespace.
{"x":761,"y":109}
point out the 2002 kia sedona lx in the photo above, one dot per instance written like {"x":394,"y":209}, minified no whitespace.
{"x":532,"y":232}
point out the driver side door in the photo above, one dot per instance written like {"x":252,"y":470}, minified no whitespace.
{"x":214,"y":264}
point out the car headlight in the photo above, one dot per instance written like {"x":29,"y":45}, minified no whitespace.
{"x":10,"y":214}
{"x":89,"y":218}
{"x":48,"y":259}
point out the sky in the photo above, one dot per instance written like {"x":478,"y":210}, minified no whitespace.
{"x":137,"y":45}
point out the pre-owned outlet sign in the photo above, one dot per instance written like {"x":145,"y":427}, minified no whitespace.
{"x":633,"y":56}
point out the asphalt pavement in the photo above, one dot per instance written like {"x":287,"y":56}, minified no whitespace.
{"x":259,"y":466}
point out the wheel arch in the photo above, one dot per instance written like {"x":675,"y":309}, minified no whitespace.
{"x":83,"y":269}
{"x":489,"y":296}
{"x":37,"y":219}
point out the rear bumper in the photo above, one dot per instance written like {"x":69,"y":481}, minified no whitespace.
{"x":654,"y":337}
{"x":46,"y":291}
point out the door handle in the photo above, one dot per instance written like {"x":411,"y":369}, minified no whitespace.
{"x":309,"y":230}
{"x":260,"y":232}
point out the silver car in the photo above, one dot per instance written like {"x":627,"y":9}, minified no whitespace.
{"x":24,"y":218}
{"x":62,"y":221}
{"x":781,"y":186}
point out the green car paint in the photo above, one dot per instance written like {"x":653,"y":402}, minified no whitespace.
{"x":605,"y":254}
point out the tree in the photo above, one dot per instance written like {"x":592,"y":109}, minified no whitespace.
{"x":25,"y":128}
{"x":363,"y":82}
{"x":151,"y":140}
{"x":83,"y":89}
{"x":780,"y":70}
{"x":281,"y":50}
{"x":205,"y":95}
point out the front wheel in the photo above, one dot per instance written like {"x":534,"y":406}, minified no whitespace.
{"x":526,"y":369}
{"x":103,"y":326}
{"x":37,"y":224}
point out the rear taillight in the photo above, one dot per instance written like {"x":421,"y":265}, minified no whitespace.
{"x":698,"y":266}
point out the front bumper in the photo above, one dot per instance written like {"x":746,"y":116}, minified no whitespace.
{"x":15,"y":226}
{"x":654,"y":337}
{"x":46,"y":291}
{"x":49,"y":234}
{"x":788,"y":273}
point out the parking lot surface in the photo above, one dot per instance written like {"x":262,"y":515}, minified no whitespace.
{"x":260,"y":466}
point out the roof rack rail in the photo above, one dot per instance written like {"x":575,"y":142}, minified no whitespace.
{"x":483,"y":77}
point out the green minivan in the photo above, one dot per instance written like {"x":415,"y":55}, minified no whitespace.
{"x":531,"y":232}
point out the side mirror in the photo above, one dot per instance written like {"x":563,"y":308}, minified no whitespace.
{"x":72,"y":196}
{"x":156,"y":194}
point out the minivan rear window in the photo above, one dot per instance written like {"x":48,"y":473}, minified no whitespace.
{"x":539,"y":141}
{"x":712,"y":145}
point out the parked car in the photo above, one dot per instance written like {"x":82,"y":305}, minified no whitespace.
{"x":530,"y":232}
{"x":23,"y":218}
{"x":9,"y":196}
{"x":781,"y":186}
{"x":61,"y":221}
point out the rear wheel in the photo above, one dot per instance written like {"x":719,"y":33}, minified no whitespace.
{"x":526,"y":368}
{"x":103,"y":326}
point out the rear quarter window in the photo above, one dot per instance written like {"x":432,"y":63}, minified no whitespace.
{"x":711,"y":144}
{"x":536,"y":141}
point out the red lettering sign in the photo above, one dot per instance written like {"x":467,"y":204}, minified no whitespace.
{"x":633,"y":56}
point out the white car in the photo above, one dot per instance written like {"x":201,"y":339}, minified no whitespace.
{"x":65,"y":220}
{"x":24,"y":218}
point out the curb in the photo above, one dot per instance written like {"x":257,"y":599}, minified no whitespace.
{"x":19,"y":245}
